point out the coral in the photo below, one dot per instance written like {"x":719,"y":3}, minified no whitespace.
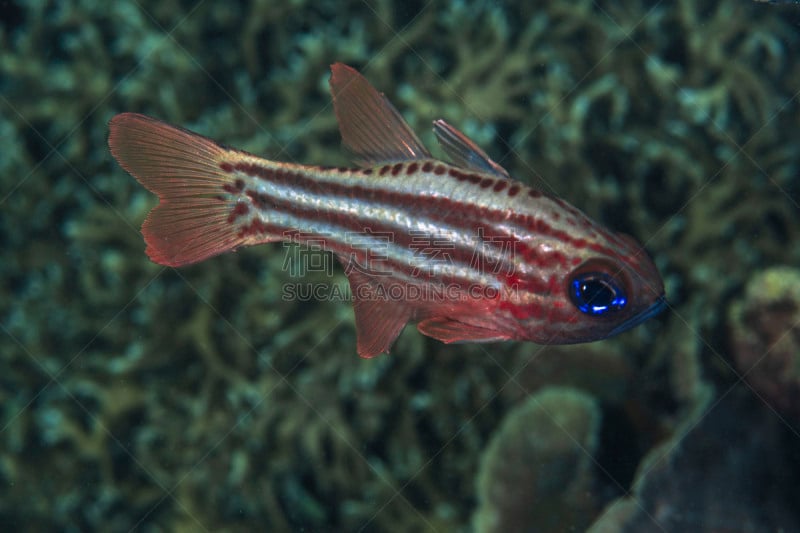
{"x":765,"y":337}
{"x":536,"y":473}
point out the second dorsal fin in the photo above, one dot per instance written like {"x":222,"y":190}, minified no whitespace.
{"x":463,"y":151}
{"x":372,"y":129}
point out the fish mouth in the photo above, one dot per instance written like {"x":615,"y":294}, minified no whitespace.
{"x":655,"y":308}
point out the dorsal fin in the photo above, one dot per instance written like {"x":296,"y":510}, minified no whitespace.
{"x":372,"y":129}
{"x":463,"y":151}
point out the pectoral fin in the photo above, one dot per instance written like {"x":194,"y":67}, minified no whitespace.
{"x":450,"y":331}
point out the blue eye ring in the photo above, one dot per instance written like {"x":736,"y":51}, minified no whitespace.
{"x":597,"y":293}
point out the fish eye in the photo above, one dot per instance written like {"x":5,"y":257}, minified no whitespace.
{"x":596,"y":293}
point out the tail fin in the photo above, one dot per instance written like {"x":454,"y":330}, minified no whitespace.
{"x":191,"y":221}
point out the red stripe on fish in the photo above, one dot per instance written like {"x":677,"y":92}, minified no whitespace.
{"x":444,"y":209}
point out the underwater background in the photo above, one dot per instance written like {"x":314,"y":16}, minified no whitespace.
{"x":135,"y":397}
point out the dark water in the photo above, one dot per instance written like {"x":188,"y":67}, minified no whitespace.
{"x":137,"y":397}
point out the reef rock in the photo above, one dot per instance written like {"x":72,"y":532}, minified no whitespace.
{"x":765,"y":333}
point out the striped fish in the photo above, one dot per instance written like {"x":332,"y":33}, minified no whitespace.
{"x":459,"y":248}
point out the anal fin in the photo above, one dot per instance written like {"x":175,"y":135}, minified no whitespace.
{"x":379,"y":319}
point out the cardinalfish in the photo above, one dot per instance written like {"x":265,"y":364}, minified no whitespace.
{"x":459,"y":248}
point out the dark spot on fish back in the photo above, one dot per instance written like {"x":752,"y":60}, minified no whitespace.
{"x":500,"y":185}
{"x":239,"y":210}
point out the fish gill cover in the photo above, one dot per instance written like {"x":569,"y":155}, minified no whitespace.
{"x":141,"y":397}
